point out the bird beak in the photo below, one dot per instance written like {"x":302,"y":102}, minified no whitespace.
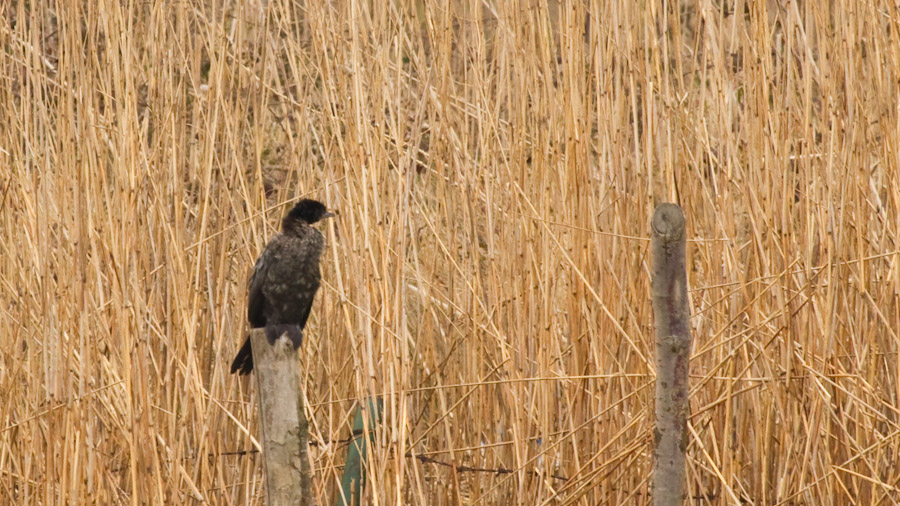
{"x":328,"y":214}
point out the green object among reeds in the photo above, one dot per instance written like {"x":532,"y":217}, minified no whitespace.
{"x":354,"y":472}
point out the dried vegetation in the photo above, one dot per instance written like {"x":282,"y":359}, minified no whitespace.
{"x":495,"y":166}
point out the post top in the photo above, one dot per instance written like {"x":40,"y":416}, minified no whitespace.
{"x":668,"y":222}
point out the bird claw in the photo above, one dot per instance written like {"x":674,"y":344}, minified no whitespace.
{"x":274,"y":331}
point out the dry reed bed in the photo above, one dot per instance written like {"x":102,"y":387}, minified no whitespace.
{"x":495,"y":166}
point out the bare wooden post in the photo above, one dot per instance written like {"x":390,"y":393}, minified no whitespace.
{"x":285,"y":429}
{"x":673,"y":348}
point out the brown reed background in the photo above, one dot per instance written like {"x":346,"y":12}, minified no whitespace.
{"x":495,"y":166}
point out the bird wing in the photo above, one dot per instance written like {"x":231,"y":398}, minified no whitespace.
{"x":307,"y":305}
{"x":313,"y":279}
{"x":256,"y":300}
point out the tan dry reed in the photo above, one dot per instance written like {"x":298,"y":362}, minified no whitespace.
{"x":495,"y":165}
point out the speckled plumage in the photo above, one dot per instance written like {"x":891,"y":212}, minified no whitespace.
{"x":284,"y":283}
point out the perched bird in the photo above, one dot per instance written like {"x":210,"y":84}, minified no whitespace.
{"x":285,"y":280}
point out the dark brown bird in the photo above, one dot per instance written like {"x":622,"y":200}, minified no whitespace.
{"x":285,"y":280}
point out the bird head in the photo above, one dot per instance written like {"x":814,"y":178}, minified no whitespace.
{"x":308,"y":211}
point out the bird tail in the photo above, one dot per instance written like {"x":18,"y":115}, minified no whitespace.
{"x":243,"y":361}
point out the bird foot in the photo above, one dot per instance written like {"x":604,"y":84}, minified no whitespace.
{"x":276,"y":330}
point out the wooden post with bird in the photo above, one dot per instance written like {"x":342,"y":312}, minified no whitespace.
{"x":673,"y":349}
{"x":285,"y":428}
{"x":283,"y":286}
